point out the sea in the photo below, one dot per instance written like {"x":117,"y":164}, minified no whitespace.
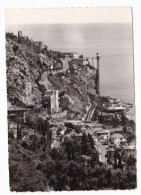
{"x":113,"y":42}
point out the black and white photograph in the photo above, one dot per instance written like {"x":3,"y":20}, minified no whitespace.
{"x":70,"y":99}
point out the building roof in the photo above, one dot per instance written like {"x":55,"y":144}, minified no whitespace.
{"x":117,"y":129}
{"x":130,"y":147}
{"x":73,"y":134}
{"x":86,"y":157}
{"x":17,"y":109}
{"x":37,"y":42}
{"x":106,"y":114}
{"x":116,"y":108}
{"x":48,"y":92}
{"x":104,"y":131}
{"x":66,"y":52}
{"x":110,"y":150}
{"x":116,"y":135}
{"x":29,"y":105}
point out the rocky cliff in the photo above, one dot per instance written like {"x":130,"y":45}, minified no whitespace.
{"x":22,"y":72}
{"x":25,"y":67}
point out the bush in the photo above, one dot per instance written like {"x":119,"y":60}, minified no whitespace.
{"x":31,"y":120}
{"x":11,"y":134}
{"x":15,"y":48}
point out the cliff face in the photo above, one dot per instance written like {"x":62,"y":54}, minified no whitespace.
{"x":22,"y":72}
{"x":76,"y":87}
{"x":25,"y":82}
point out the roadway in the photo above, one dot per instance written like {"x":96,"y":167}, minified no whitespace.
{"x":90,"y":111}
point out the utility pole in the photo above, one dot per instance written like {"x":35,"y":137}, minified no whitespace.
{"x":98,"y":74}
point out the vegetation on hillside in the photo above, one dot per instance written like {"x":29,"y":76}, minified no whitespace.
{"x":65,"y":168}
{"x":34,"y":165}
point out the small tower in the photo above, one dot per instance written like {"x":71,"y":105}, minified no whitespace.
{"x":20,"y":34}
{"x":98,"y":75}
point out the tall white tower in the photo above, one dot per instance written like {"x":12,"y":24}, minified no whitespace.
{"x":98,"y":75}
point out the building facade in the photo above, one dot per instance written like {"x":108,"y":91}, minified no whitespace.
{"x":20,"y":34}
{"x":117,"y":139}
{"x":130,"y":150}
{"x":50,"y":101}
{"x":38,"y":44}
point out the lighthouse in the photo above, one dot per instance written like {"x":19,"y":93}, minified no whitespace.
{"x":98,"y":75}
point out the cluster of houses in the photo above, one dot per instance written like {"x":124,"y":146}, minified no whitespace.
{"x":112,"y":109}
{"x":113,"y":140}
{"x":69,"y":61}
{"x":49,"y":102}
{"x":38,"y":44}
{"x":72,"y":61}
{"x":107,"y":141}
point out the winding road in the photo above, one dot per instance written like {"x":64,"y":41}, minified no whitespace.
{"x":91,"y":111}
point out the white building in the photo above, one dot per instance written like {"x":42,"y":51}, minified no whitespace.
{"x":117,"y":139}
{"x":50,"y":101}
{"x":75,"y":55}
{"x":104,"y":134}
{"x":130,"y":150}
{"x":85,"y":62}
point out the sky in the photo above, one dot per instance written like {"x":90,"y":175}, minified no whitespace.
{"x":68,"y":15}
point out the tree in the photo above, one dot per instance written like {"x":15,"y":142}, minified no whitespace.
{"x":116,"y":121}
{"x":108,"y":176}
{"x":81,"y":56}
{"x":23,"y":173}
{"x":26,"y":178}
{"x":50,"y":168}
{"x":18,"y":130}
{"x":91,"y":141}
{"x":84,"y":144}
{"x":119,"y":163}
{"x":131,"y":161}
{"x":115,"y":160}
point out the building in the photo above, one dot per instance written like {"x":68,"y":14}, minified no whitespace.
{"x":117,"y":139}
{"x":20,"y":34}
{"x":110,"y":152}
{"x":73,"y":67}
{"x":70,"y":54}
{"x":92,"y":62}
{"x":104,"y":134}
{"x":50,"y":101}
{"x":78,"y":136}
{"x":65,"y":63}
{"x":105,"y":117}
{"x":78,"y":62}
{"x":118,"y":130}
{"x":85,"y":160}
{"x":42,"y":59}
{"x":75,"y":55}
{"x":56,"y":103}
{"x":30,"y":106}
{"x":117,"y":110}
{"x":130,"y":150}
{"x":67,"y":54}
{"x":98,"y":75}
{"x":38,"y":44}
{"x":85,"y":62}
{"x":16,"y":113}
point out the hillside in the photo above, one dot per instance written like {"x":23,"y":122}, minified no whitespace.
{"x":50,"y":147}
{"x":25,"y":67}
